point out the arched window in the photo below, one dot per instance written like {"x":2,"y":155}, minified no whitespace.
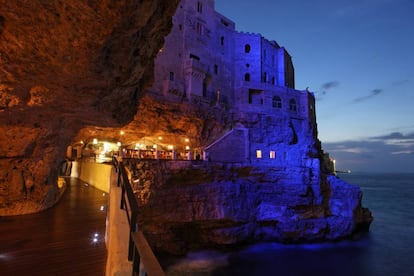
{"x":247,"y":77}
{"x":292,"y":105}
{"x":247,"y":48}
{"x":277,"y":102}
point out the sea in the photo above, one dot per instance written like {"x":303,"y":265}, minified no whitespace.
{"x":387,"y":249}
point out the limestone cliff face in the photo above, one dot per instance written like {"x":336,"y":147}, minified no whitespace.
{"x":67,"y":66}
{"x":195,"y":205}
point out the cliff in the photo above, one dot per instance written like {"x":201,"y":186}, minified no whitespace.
{"x":196,"y":205}
{"x":67,"y":66}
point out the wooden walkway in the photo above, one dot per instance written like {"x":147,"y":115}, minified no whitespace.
{"x":58,"y":241}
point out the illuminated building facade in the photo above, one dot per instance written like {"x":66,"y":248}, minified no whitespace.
{"x":206,"y":60}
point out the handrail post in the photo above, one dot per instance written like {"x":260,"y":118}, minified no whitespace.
{"x":133,"y":228}
{"x":136,"y":262}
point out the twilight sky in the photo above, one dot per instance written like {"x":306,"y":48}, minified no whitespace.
{"x":357,"y":56}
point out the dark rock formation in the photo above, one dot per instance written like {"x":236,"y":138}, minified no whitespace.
{"x":196,"y":205}
{"x":67,"y":66}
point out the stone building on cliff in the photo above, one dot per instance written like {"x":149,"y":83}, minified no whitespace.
{"x":206,"y":61}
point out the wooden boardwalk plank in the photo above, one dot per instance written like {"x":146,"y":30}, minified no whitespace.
{"x":58,"y":241}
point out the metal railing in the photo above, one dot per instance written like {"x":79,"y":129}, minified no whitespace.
{"x":139,"y":251}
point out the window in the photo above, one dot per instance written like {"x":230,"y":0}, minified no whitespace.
{"x":265,"y":77}
{"x":180,"y":27}
{"x":273,"y":80}
{"x":258,"y":154}
{"x":204,"y":88}
{"x":171,"y":76}
{"x":194,"y":57}
{"x":277,"y":102}
{"x":215,"y":69}
{"x":247,"y":77}
{"x":264,"y":54}
{"x":222,"y":41}
{"x":292,"y":105}
{"x":225,"y":23}
{"x":247,"y":48}
{"x":273,"y":60}
{"x":272,"y":154}
{"x":199,"y":7}
{"x":199,"y":28}
{"x":255,"y":96}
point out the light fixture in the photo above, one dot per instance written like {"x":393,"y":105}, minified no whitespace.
{"x":95,"y":141}
{"x":170,"y":147}
{"x":122,"y":132}
{"x":187,"y":147}
{"x":95,"y":238}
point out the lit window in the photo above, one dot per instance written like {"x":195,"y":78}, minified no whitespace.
{"x":258,"y":154}
{"x":247,"y":48}
{"x":276,"y":102}
{"x":272,"y":154}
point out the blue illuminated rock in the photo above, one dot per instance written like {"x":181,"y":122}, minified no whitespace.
{"x":203,"y":205}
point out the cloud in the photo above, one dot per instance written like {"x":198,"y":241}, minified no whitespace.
{"x":399,"y":83}
{"x":390,"y":152}
{"x":329,"y":85}
{"x":402,"y":152}
{"x":325,"y":87}
{"x":396,"y":139}
{"x":394,"y":135}
{"x":373,"y":93}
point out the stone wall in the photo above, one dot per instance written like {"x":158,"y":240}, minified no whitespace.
{"x":232,"y":147}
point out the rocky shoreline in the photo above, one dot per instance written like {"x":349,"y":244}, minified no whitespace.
{"x":187,"y":206}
